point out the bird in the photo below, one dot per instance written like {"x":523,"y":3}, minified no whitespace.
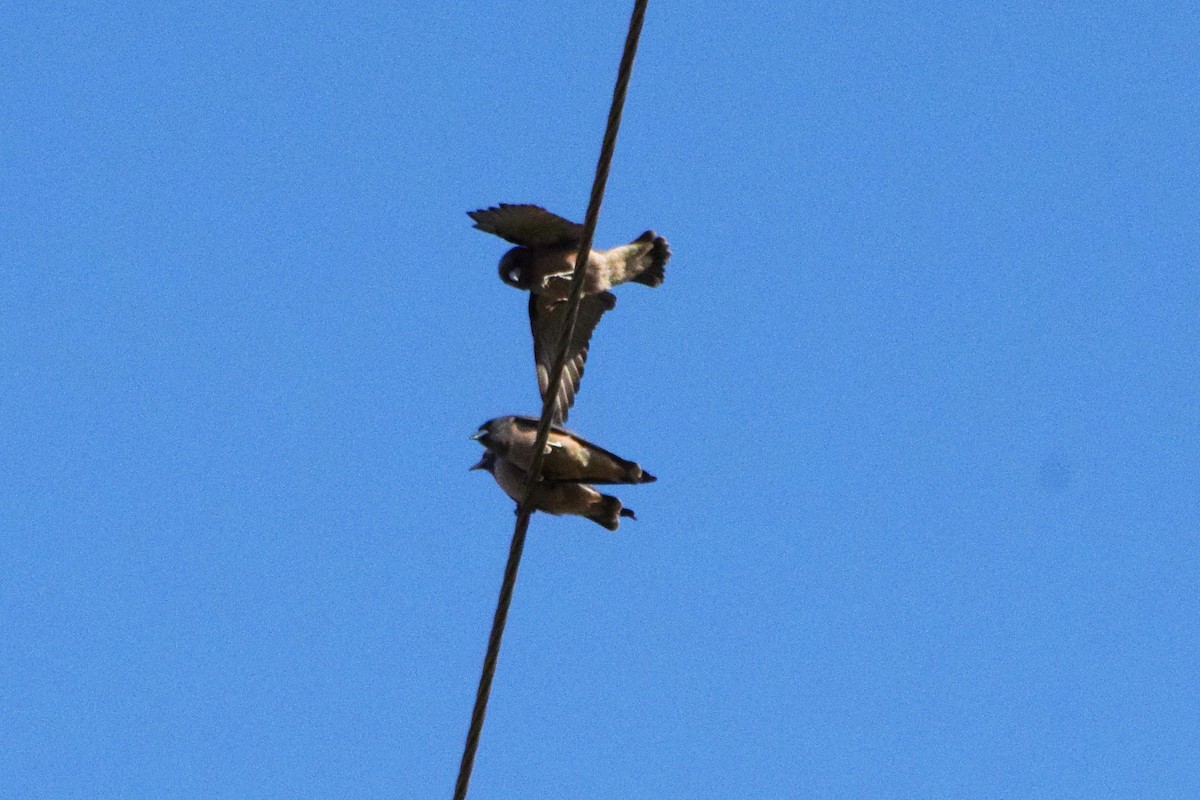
{"x":556,"y":498}
{"x":571,"y":465}
{"x":569,"y":457}
{"x":542,"y":264}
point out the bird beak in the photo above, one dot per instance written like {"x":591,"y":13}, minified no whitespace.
{"x":479,"y":434}
{"x":481,"y":465}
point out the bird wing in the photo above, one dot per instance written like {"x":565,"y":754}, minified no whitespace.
{"x":565,"y":451}
{"x":585,"y":462}
{"x":546,"y":320}
{"x":528,"y":226}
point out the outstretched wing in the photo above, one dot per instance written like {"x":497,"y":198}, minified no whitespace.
{"x":546,"y":319}
{"x":528,"y":226}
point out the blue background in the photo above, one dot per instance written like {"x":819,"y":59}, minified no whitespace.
{"x":920,"y":389}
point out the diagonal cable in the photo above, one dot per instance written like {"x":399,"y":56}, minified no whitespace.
{"x":550,"y":401}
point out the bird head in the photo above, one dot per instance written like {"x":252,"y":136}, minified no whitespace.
{"x":514,"y":268}
{"x":481,"y":434}
{"x":488,"y":462}
{"x":496,"y":434}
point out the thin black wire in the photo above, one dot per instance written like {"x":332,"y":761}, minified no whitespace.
{"x":550,"y":401}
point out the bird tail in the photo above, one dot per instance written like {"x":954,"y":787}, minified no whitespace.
{"x":608,"y":512}
{"x":654,"y":261}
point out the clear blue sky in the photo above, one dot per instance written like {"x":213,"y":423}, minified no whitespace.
{"x":920,"y":390}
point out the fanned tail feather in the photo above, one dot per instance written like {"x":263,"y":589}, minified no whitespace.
{"x":654,"y":272}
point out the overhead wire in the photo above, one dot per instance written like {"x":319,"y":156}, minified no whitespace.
{"x":550,"y":401}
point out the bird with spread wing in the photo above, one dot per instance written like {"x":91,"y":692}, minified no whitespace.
{"x":542,"y":263}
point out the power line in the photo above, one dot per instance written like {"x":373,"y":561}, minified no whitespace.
{"x":550,"y":400}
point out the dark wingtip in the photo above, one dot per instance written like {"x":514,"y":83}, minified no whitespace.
{"x":474,"y":215}
{"x":647,"y":477}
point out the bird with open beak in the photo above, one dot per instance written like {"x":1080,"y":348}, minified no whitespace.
{"x":571,"y":464}
{"x":542,"y":264}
